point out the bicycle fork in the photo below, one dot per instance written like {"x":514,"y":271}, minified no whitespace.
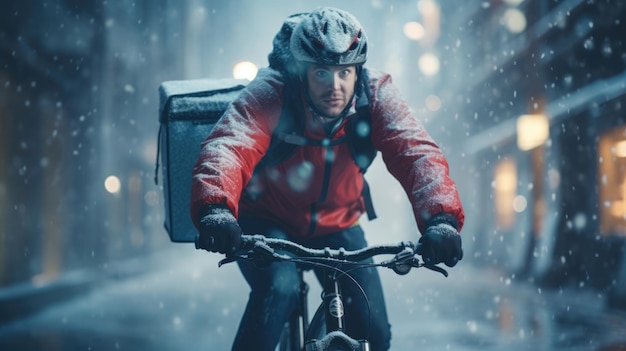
{"x":299,"y":320}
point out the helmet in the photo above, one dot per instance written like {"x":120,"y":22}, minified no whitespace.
{"x":329,"y":36}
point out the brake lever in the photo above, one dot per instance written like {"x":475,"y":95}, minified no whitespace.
{"x":438,"y":269}
{"x":432,"y":267}
{"x":259,"y":255}
{"x":227,"y":259}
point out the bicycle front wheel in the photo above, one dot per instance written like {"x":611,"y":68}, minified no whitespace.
{"x":284,"y":343}
{"x":317,"y":327}
{"x":338,"y":342}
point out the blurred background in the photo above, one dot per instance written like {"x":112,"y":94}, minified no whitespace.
{"x":525,"y":97}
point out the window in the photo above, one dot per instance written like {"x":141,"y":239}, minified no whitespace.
{"x":505,"y":191}
{"x":612,"y":181}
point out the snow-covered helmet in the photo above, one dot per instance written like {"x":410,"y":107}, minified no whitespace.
{"x":329,"y":36}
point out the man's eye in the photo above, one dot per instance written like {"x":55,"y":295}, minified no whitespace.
{"x":321,"y":74}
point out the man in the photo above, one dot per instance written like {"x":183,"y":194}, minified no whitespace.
{"x":314,"y":196}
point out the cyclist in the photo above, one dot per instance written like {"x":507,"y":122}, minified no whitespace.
{"x":314,"y":197}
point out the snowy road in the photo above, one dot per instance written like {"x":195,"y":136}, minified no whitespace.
{"x":186,"y":302}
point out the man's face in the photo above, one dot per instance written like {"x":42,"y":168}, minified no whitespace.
{"x":331,"y":87}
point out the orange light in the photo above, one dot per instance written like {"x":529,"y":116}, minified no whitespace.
{"x":620,"y":148}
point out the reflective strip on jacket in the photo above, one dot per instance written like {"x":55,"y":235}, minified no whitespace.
{"x":317,"y":190}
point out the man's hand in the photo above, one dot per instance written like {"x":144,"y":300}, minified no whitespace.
{"x":219,"y":231}
{"x":441,"y":243}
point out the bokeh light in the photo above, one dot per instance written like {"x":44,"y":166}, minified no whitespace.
{"x":112,"y":184}
{"x":245,"y":70}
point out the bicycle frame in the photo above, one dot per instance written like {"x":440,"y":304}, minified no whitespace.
{"x":332,"y":309}
{"x":299,"y":320}
{"x":302,"y":333}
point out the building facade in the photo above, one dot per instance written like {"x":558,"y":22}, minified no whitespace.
{"x":543,"y":107}
{"x":77,"y":148}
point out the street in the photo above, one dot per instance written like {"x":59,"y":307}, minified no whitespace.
{"x":184,"y":301}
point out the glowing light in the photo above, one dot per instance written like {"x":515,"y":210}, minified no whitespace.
{"x":532,"y":131}
{"x":245,"y":70}
{"x":414,"y":31}
{"x":433,"y":103}
{"x":514,"y":20}
{"x":505,"y":189}
{"x":429,"y":64}
{"x":506,"y":178}
{"x":618,"y":209}
{"x":519,"y":203}
{"x":428,"y":7}
{"x":430,"y":14}
{"x":620,"y":148}
{"x":112,"y":184}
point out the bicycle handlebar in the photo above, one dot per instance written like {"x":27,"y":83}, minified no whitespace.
{"x":262,"y":249}
{"x":250,"y":241}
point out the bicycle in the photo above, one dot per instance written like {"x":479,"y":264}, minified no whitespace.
{"x":324,"y":331}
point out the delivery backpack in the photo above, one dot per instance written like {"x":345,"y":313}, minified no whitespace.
{"x":189,"y":109}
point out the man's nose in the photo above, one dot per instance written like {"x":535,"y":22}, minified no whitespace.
{"x":334,"y":82}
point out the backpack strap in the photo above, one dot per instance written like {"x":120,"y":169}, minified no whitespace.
{"x":360,"y":141}
{"x":359,"y":128}
{"x":287,"y":135}
{"x":367,"y":199}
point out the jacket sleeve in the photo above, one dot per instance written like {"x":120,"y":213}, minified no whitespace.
{"x":236,"y":144}
{"x":412,"y":156}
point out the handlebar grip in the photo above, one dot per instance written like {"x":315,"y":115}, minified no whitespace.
{"x":418,"y":248}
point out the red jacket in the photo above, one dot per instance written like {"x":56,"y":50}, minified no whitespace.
{"x":317,"y":191}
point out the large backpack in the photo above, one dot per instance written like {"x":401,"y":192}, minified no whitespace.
{"x":189,"y":109}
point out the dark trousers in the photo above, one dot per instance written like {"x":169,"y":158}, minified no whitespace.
{"x":274,"y":293}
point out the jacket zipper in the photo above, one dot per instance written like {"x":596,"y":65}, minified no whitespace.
{"x":330,"y":157}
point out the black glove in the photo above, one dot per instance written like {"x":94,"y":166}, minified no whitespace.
{"x":441,"y":242}
{"x":219,"y":231}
